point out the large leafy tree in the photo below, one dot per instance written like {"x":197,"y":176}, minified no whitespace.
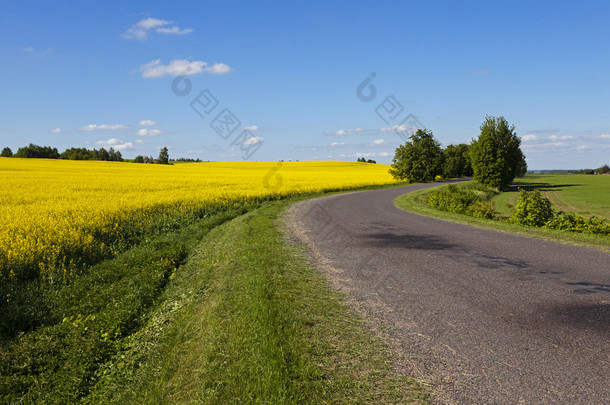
{"x":164,"y":156}
{"x":496,"y":155}
{"x":457,"y":161}
{"x":419,"y":160}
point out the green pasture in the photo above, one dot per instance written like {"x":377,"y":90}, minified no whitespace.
{"x":582,"y":194}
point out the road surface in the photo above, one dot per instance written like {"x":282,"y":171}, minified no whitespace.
{"x":482,"y":316}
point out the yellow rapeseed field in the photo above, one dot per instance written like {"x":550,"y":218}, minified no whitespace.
{"x":59,"y":216}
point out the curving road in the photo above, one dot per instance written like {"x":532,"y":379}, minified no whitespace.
{"x":482,"y":316}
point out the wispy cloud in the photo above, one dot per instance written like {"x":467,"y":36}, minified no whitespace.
{"x":155,"y":70}
{"x":218,"y":69}
{"x":379,"y":142}
{"x":398,"y":128}
{"x":115,"y":144}
{"x":149,"y":132}
{"x":252,"y":128}
{"x":145,"y":26}
{"x":32,"y":52}
{"x":104,"y":127}
{"x":366,"y":154}
{"x":253,"y":140}
{"x":55,"y":131}
{"x":529,"y":138}
{"x":480,"y":73}
{"x":543,"y":130}
{"x":561,"y":138}
{"x":147,"y":123}
{"x":343,"y":132}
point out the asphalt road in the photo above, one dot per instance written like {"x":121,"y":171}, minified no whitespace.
{"x":482,"y":316}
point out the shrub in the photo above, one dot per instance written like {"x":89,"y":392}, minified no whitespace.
{"x":482,"y":209}
{"x":473,"y":200}
{"x":532,"y":209}
{"x":574,"y":223}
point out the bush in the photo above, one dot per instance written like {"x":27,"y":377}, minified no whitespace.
{"x":482,"y":209}
{"x":570,"y":222}
{"x":532,"y":209}
{"x":473,"y":200}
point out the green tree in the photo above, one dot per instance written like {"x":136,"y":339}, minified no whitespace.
{"x":521,"y":170}
{"x":164,"y":156}
{"x":457,"y":161}
{"x":496,"y":154}
{"x":102,"y":154}
{"x":39,"y":152}
{"x":6,"y":152}
{"x":139,"y":159}
{"x":419,"y":160}
{"x":114,"y":155}
{"x":602,"y":170}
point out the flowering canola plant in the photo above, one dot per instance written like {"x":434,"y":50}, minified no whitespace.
{"x":59,"y":216}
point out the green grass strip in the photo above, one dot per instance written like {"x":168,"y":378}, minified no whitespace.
{"x":416,"y":202}
{"x":248,"y":320}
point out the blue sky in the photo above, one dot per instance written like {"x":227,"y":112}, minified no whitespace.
{"x":279,"y":80}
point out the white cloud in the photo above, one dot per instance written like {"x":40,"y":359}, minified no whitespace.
{"x":147,"y":123}
{"x":148,"y":23}
{"x":582,"y":147}
{"x":366,"y":154}
{"x":543,"y":131}
{"x":342,"y":132}
{"x":218,"y":69}
{"x":173,"y":30}
{"x":529,"y":138}
{"x":55,"y":131}
{"x":115,"y":143}
{"x":605,"y":136}
{"x":332,"y":145}
{"x":252,"y":128}
{"x":560,"y":138}
{"x":36,"y":52}
{"x":149,"y":132}
{"x":154,"y":69}
{"x":253,"y":140}
{"x":398,"y":128}
{"x":378,"y":142}
{"x":104,"y":127}
{"x":142,"y":28}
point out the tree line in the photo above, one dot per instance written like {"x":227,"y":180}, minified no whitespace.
{"x":33,"y":151}
{"x":494,"y":159}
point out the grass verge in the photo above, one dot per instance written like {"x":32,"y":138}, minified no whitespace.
{"x":416,"y":202}
{"x":78,"y":327}
{"x":251,"y":321}
{"x":222,"y":311}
